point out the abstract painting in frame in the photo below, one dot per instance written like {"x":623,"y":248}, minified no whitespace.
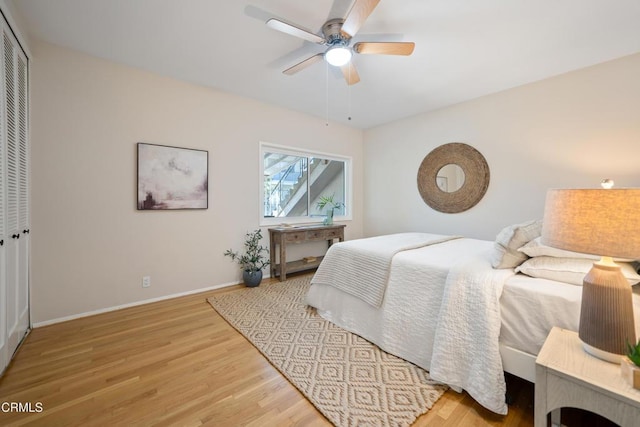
{"x":172,"y":178}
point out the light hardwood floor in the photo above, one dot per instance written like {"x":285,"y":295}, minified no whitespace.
{"x":177,"y":362}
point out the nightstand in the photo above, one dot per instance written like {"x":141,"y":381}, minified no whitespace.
{"x":566,"y":376}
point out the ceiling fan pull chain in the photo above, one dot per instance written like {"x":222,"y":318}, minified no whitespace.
{"x":349,"y":97}
{"x":327,"y":91}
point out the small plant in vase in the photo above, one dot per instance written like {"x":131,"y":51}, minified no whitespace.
{"x":327,"y":202}
{"x":253,"y":260}
{"x":631,"y":365}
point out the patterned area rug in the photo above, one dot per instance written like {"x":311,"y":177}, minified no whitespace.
{"x":351,"y":381}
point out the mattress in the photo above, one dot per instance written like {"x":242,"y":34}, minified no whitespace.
{"x":530,"y":307}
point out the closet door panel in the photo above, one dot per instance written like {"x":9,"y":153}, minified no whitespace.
{"x":13,"y":331}
{"x":12,"y":193}
{"x":15,"y":304}
{"x":5,"y":355}
{"x":23,"y":197}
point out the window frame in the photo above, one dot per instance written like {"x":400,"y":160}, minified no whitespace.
{"x":266,"y":147}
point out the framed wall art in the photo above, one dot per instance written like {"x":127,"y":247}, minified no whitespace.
{"x":172,"y":178}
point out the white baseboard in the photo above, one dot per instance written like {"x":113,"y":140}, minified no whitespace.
{"x":133,"y":304}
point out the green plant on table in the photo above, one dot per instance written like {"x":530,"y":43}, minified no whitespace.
{"x":327,"y":201}
{"x":330,"y":204}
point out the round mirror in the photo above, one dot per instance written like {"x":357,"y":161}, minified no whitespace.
{"x":453,"y":177}
{"x":450,"y":178}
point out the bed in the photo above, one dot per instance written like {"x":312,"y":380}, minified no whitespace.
{"x":445,"y":308}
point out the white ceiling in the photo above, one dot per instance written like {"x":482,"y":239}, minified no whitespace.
{"x":464,"y":48}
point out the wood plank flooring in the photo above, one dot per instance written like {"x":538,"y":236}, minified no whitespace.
{"x":177,"y":362}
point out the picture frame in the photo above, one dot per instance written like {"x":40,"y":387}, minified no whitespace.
{"x":172,"y":178}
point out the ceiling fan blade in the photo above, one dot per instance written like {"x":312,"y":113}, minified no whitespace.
{"x":304,"y":64}
{"x":350,"y":73}
{"x":292,"y":30}
{"x":385,"y":48}
{"x":357,"y":15}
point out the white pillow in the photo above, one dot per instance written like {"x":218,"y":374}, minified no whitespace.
{"x":536,"y":248}
{"x":568,"y":270}
{"x":510,"y":239}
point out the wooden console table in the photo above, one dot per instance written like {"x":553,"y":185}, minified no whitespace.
{"x":282,"y":236}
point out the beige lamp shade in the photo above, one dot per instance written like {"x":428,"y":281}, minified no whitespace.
{"x":599,"y":222}
{"x":606,"y":223}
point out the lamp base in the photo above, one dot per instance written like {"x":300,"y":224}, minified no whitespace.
{"x":601,"y":354}
{"x":606,"y":314}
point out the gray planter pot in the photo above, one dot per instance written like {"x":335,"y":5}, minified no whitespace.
{"x":252,"y":278}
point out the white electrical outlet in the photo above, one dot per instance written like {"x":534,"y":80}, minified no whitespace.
{"x":146,"y":281}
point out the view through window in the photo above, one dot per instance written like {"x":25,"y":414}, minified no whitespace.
{"x":293,"y":183}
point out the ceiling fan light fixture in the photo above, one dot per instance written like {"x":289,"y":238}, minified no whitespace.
{"x":338,"y":56}
{"x":337,"y":35}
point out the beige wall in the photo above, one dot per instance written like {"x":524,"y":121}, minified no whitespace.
{"x":569,"y":131}
{"x":90,"y":247}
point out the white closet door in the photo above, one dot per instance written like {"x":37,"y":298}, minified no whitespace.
{"x":5,"y":355}
{"x":16,"y":248}
{"x":23,"y":198}
{"x":11,"y":247}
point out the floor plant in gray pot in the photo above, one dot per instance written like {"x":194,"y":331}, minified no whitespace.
{"x":253,"y":260}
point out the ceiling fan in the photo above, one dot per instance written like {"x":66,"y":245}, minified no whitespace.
{"x":337,"y":35}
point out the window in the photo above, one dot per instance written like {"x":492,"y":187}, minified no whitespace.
{"x":293,"y":181}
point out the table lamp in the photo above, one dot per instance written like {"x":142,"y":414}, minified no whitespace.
{"x":606,"y":223}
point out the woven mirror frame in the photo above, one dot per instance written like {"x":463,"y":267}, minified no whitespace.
{"x":476,"y":173}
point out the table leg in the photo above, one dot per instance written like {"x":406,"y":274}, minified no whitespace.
{"x":540,"y":406}
{"x":555,"y":418}
{"x":283,"y":260}
{"x":272,"y":254}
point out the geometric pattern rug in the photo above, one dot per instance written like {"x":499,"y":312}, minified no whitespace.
{"x":348,"y":379}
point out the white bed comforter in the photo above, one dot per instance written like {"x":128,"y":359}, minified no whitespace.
{"x":466,"y":353}
{"x":361,"y":267}
{"x":440,"y":311}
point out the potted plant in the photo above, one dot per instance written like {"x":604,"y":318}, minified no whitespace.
{"x":253,"y":260}
{"x":327,"y":202}
{"x":631,"y":365}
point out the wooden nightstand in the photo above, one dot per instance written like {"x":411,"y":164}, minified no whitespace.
{"x":566,"y":376}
